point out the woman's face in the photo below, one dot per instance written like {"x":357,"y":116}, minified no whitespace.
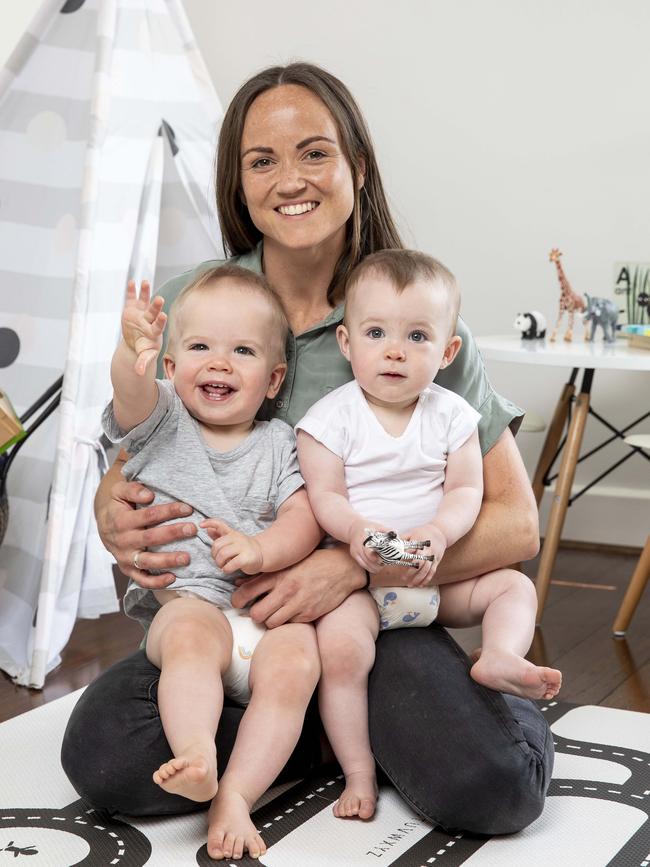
{"x":296,"y":181}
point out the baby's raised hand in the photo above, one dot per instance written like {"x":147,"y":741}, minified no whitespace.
{"x":143,"y":323}
{"x":426,"y":570}
{"x":233,"y":550}
{"x":365,"y":557}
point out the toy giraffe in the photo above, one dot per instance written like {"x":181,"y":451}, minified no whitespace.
{"x":569,"y":300}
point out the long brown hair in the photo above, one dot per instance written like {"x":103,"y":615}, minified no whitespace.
{"x":370,"y":226}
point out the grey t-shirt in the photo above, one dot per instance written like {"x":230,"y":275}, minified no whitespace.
{"x":243,"y":487}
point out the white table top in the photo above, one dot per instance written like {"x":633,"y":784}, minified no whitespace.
{"x":613,"y":356}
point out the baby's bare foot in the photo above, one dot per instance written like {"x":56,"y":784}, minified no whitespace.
{"x":359,"y":798}
{"x":507,"y":672}
{"x":192,"y":775}
{"x":230,"y":830}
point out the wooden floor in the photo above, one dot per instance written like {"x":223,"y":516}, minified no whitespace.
{"x":575,"y":636}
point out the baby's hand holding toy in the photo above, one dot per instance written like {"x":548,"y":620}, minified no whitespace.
{"x":364,"y":555}
{"x":394,"y":551}
{"x":437,"y":545}
{"x":143,"y":323}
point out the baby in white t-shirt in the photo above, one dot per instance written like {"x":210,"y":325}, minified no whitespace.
{"x":393,"y":451}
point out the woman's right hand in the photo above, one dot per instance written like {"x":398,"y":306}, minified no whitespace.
{"x":126,"y":531}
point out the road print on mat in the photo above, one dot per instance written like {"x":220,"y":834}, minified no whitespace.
{"x":597,"y":814}
{"x":298,"y":829}
{"x":45,"y":836}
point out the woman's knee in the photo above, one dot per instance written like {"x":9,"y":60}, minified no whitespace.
{"x":112,"y":726}
{"x":494,"y":795}
{"x":464,"y":756}
{"x":491,"y":792}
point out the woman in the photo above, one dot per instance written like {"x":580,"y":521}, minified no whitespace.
{"x":300,"y":197}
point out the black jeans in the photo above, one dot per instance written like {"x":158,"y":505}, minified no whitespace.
{"x":463,"y":756}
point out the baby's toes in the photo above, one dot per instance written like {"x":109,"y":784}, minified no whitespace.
{"x":228,"y":844}
{"x":215,"y":845}
{"x":238,"y":847}
{"x":164,"y":772}
{"x":255,"y":846}
{"x":350,"y":806}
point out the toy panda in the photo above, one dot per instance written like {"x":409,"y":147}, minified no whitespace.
{"x":532,"y":325}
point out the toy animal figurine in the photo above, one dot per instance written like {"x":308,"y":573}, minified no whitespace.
{"x":603,"y":312}
{"x":569,"y":300}
{"x":532,"y":325}
{"x":394,"y":551}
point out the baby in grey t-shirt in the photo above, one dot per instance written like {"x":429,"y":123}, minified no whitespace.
{"x":194,"y":437}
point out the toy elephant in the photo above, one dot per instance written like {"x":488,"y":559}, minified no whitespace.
{"x":603,"y":312}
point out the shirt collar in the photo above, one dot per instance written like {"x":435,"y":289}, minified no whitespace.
{"x":253,"y":261}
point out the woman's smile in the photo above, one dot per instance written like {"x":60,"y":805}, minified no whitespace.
{"x":298,"y":209}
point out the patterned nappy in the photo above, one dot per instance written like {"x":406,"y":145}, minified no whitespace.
{"x":406,"y":606}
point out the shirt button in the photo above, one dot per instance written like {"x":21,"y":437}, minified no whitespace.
{"x":279,"y":404}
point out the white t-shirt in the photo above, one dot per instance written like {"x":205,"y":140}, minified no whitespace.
{"x":396,"y":481}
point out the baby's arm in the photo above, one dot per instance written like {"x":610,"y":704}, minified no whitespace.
{"x":462,"y":491}
{"x":293,"y":535}
{"x":328,"y":494}
{"x":460,"y":504}
{"x":132,"y":373}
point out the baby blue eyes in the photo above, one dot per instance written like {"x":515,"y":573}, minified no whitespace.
{"x":244,"y":350}
{"x":378,"y":333}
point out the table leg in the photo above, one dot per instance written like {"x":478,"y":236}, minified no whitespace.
{"x":553,"y":437}
{"x":633,"y":593}
{"x":563,"y":491}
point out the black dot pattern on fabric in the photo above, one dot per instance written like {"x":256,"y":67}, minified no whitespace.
{"x":72,"y":6}
{"x":9,"y":346}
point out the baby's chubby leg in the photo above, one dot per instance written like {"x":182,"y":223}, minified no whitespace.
{"x":507,"y":603}
{"x":284,"y":672}
{"x":190,"y":640}
{"x":346,"y":641}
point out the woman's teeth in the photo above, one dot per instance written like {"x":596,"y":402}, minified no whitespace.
{"x":293,"y":210}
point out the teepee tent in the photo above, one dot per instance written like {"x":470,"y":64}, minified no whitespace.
{"x":108,"y":125}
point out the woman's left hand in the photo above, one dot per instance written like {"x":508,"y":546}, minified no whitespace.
{"x":303,"y":592}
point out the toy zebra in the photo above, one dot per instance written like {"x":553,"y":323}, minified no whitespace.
{"x":394,"y":551}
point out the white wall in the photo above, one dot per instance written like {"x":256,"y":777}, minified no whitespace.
{"x":503,"y":129}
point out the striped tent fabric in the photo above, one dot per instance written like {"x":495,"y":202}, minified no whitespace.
{"x":108,"y":124}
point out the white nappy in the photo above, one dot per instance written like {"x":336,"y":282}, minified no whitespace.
{"x":406,"y":606}
{"x":246,"y":635}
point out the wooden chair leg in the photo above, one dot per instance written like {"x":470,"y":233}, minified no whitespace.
{"x":561,"y":499}
{"x":552,"y":439}
{"x":634,"y":591}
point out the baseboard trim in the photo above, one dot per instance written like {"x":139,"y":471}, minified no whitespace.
{"x":600,"y":548}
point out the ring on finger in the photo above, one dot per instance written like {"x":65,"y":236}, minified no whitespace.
{"x":135,"y":560}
